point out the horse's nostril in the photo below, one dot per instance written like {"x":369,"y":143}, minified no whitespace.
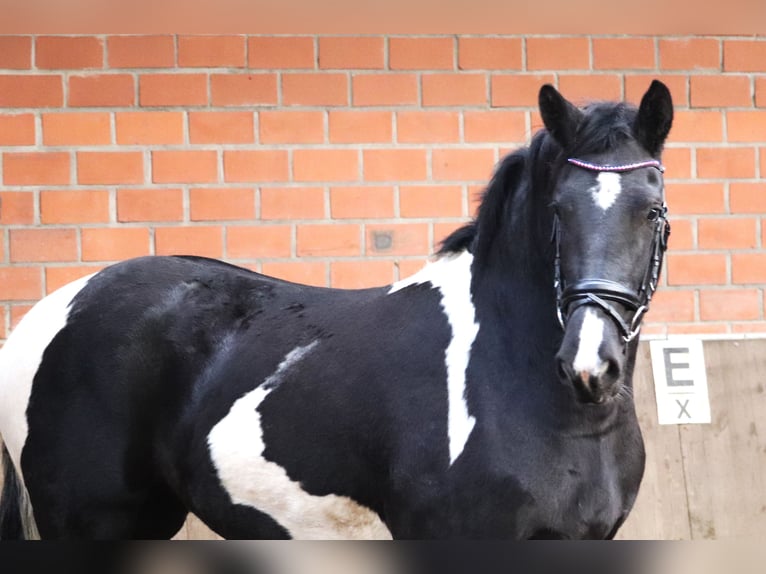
{"x":613,"y":369}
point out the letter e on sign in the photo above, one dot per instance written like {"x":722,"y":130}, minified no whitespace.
{"x":680,"y":381}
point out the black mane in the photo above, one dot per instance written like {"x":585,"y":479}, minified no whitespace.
{"x":527,"y":171}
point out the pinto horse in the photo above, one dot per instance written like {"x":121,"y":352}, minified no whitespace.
{"x":487,"y":396}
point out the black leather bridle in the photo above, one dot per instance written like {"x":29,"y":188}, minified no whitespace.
{"x":603,"y":293}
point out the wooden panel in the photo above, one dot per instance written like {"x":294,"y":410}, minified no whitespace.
{"x":661,"y":510}
{"x":725,"y":462}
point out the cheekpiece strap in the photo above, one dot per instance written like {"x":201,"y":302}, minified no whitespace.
{"x":617,"y":168}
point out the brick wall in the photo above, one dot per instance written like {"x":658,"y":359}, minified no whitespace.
{"x":343,"y":160}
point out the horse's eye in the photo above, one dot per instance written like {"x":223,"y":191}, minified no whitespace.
{"x":654,"y":214}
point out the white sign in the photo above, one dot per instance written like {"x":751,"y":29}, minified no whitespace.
{"x":680,"y":381}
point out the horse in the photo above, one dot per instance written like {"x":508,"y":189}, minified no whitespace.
{"x":489,"y":395}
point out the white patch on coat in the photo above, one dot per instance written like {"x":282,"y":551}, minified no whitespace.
{"x":236,"y":449}
{"x":606,"y":191}
{"x":452,"y":276}
{"x":20,"y":359}
{"x":587,"y":359}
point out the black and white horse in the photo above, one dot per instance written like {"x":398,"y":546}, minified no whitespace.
{"x":450,"y":404}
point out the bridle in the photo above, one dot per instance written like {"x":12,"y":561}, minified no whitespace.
{"x":603,"y":293}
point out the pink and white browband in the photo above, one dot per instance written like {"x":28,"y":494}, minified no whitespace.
{"x":618,"y":168}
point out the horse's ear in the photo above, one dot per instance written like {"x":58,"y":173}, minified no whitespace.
{"x":655,"y":116}
{"x":560,"y":117}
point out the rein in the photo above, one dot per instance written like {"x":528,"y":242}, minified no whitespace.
{"x":603,"y":293}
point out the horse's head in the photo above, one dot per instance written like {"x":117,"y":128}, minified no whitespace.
{"x":609,"y":231}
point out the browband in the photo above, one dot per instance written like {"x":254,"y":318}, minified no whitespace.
{"x":616,"y":168}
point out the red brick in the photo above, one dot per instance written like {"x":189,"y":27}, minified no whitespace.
{"x":395,"y":165}
{"x":421,"y":53}
{"x":696,"y":329}
{"x":745,"y":126}
{"x":443,"y":230}
{"x":637,"y":84}
{"x":15,"y":53}
{"x":17,"y":208}
{"x":489,"y":53}
{"x":149,"y":205}
{"x":230,"y":203}
{"x":17,"y":314}
{"x":173,"y":89}
{"x":495,"y":126}
{"x":258,"y":241}
{"x":256,"y":166}
{"x":585,"y":88}
{"x":361,"y":274}
{"x":518,"y":89}
{"x":314,"y":89}
{"x":74,"y":206}
{"x":749,"y":327}
{"x":690,"y":54}
{"x":431,"y":201}
{"x":558,"y":54}
{"x":36,"y":168}
{"x":696,"y":268}
{"x":427,"y":127}
{"x":20,"y":283}
{"x":730,"y":305}
{"x":37,"y":245}
{"x":147,"y":128}
{"x":302,"y":272}
{"x":17,"y":129}
{"x":744,"y":55}
{"x":463,"y":164}
{"x":114,"y":244}
{"x":408,"y":267}
{"x":725,"y":162}
{"x":729,"y":233}
{"x":30,"y":91}
{"x":243,"y":90}
{"x":291,"y":127}
{"x":221,"y":127}
{"x":211,"y":51}
{"x":184,"y":166}
{"x":110,"y":167}
{"x":361,"y":202}
{"x":326,"y":165}
{"x":103,"y":90}
{"x":695,"y":198}
{"x":720,"y":91}
{"x":69,"y":52}
{"x":682,"y":238}
{"x":354,"y":126}
{"x":454,"y":89}
{"x":141,"y":51}
{"x":760,"y":92}
{"x":281,"y":52}
{"x":292,"y":203}
{"x":678,"y":162}
{"x":697,"y":126}
{"x":57,"y":277}
{"x":748,"y":268}
{"x":201,"y":241}
{"x":671,"y":306}
{"x":346,"y":52}
{"x":384,"y":89}
{"x":328,"y":240}
{"x":400,"y":238}
{"x":70,"y":129}
{"x":747,"y":197}
{"x":623,"y":53}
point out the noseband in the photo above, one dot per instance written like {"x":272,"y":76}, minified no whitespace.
{"x":603,"y":293}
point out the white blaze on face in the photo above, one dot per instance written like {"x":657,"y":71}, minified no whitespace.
{"x":236,"y":449}
{"x":452,"y":276}
{"x":20,"y":359}
{"x":587,"y":359}
{"x":606,"y":191}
